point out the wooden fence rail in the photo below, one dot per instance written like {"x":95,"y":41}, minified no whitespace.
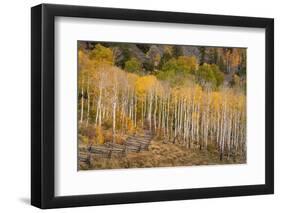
{"x":136,"y":143}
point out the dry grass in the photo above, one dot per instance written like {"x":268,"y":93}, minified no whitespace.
{"x":162,"y":155}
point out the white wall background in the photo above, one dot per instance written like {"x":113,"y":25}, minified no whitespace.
{"x":15,"y":105}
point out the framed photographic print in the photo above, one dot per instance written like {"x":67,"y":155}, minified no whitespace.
{"x":139,"y":106}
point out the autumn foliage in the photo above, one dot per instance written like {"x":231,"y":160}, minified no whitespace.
{"x":183,"y":103}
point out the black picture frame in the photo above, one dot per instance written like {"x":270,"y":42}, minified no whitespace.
{"x":43,"y":105}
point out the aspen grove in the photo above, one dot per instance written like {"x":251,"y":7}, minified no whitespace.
{"x":192,"y":109}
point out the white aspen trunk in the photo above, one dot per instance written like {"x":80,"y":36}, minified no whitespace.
{"x":180,"y":117}
{"x":237,"y":132}
{"x":114,"y":103}
{"x":197,"y":124}
{"x":100,"y":114}
{"x":223,"y":131}
{"x":229,"y":135}
{"x":150,"y":109}
{"x":218,"y":128}
{"x":192,"y":120}
{"x":142,"y":113}
{"x":163,"y":117}
{"x":175,"y":119}
{"x":167,"y":116}
{"x":154,"y":113}
{"x":192,"y":125}
{"x":184,"y":123}
{"x":103,"y":112}
{"x":159,"y":114}
{"x":145,"y":107}
{"x":82,"y":100}
{"x":234,"y":130}
{"x":188,"y":121}
{"x":99,"y":102}
{"x":202,"y":127}
{"x":136,"y":104}
{"x":113,"y":120}
{"x":132,"y":106}
{"x":88,"y":102}
{"x":207,"y":121}
{"x":129,"y":105}
{"x":207,"y":132}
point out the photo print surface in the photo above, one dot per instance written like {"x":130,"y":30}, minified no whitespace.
{"x":160,"y":105}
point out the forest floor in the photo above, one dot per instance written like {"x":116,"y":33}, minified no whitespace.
{"x":160,"y":154}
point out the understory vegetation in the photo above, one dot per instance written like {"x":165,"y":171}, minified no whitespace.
{"x":160,"y":154}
